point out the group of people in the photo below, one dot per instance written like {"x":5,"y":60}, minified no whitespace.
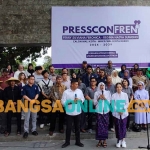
{"x":95,"y":86}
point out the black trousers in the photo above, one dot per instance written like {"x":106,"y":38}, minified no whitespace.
{"x":82,"y":120}
{"x":53,"y":120}
{"x":9,"y":118}
{"x":69,"y":121}
{"x":3,"y":122}
{"x":111,"y":120}
{"x":128,"y":121}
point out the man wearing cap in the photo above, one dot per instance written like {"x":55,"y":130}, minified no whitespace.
{"x":109,"y":68}
{"x":4,"y":78}
{"x":38,"y":74}
{"x":138,"y":77}
{"x":82,"y":71}
{"x":20,"y":69}
{"x":13,"y":93}
{"x":56,"y":94}
{"x":45,"y":86}
{"x":30,"y":93}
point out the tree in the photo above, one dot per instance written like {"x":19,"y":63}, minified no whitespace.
{"x":47,"y":62}
{"x":13,"y":55}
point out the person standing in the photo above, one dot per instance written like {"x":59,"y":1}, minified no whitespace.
{"x":23,"y":82}
{"x":138,"y":77}
{"x":88,"y":75}
{"x":65,"y":81}
{"x":20,"y":69}
{"x":52,"y":74}
{"x":111,"y":88}
{"x":101,"y":77}
{"x":65,"y":70}
{"x":11,"y":73}
{"x":102,"y":120}
{"x":12,"y":92}
{"x":109,"y":68}
{"x":115,"y":77}
{"x":141,"y":94}
{"x":76,"y":96}
{"x":3,"y":116}
{"x":127,"y":76}
{"x":82,"y":87}
{"x":30,"y":70}
{"x":89,"y":95}
{"x":38,"y":74}
{"x":30,"y":93}
{"x":45,"y":86}
{"x":4,"y":78}
{"x":121,"y":73}
{"x":129,"y":91}
{"x":120,"y":115}
{"x":133,"y":71}
{"x":82,"y":71}
{"x":56,"y":94}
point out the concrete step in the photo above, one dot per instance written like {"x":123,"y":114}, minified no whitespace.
{"x":44,"y":136}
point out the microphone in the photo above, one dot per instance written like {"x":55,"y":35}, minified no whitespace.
{"x":102,"y":92}
{"x":75,"y":95}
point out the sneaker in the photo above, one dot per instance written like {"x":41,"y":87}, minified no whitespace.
{"x":118,"y":144}
{"x":41,"y":126}
{"x":123,"y":144}
{"x":34,"y":133}
{"x":25,"y":135}
{"x":90,"y":131}
{"x":22,"y":117}
{"x":112,"y":129}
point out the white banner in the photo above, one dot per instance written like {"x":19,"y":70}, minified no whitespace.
{"x":99,"y":34}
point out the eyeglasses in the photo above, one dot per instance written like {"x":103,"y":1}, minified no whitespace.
{"x":101,"y":85}
{"x":140,"y":85}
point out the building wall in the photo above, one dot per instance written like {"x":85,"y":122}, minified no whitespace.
{"x":28,"y":21}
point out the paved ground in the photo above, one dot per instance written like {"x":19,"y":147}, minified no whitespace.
{"x":132,"y":144}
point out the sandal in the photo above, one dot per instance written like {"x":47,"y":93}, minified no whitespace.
{"x":7,"y":134}
{"x":104,"y":144}
{"x":99,"y":144}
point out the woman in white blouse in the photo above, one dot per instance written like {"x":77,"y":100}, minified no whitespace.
{"x":102,"y":102}
{"x":120,"y":114}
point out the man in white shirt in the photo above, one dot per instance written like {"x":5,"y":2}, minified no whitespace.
{"x":76,"y":96}
{"x":38,"y":74}
{"x":20,"y":69}
{"x":65,"y":81}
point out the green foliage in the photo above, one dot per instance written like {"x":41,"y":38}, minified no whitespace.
{"x":15,"y":55}
{"x":47,"y":62}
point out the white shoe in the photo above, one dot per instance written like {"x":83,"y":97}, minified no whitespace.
{"x":22,"y":117}
{"x":90,"y":131}
{"x":41,"y":126}
{"x":118,"y":144}
{"x":123,"y":143}
{"x":112,"y":129}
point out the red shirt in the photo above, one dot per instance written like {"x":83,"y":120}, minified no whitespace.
{"x":3,"y":84}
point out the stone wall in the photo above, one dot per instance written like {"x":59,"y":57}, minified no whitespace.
{"x":24,"y":22}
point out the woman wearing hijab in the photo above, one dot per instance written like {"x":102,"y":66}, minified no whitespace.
{"x":127,"y":76}
{"x":30,"y":70}
{"x":102,"y":122}
{"x":141,"y":94}
{"x":129,"y":91}
{"x":121,"y":73}
{"x":120,"y":114}
{"x":115,"y":77}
